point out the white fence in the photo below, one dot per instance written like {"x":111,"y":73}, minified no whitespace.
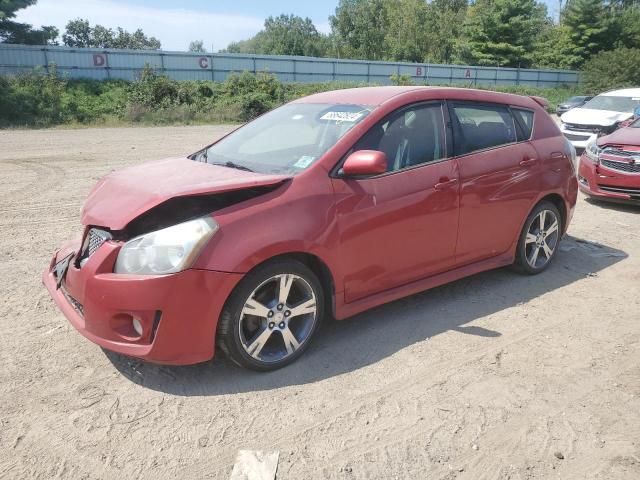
{"x":126,"y":64}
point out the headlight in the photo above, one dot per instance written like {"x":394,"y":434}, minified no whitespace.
{"x":593,"y":151}
{"x":169,"y":250}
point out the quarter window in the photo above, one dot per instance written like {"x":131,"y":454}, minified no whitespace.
{"x":482,"y":126}
{"x":410,"y":137}
{"x":525,"y":118}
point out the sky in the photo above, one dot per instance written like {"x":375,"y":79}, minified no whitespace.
{"x":175,"y":24}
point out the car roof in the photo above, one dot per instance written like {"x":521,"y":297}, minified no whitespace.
{"x":375,"y":96}
{"x":625,"y":92}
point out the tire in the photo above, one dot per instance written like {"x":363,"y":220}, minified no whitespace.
{"x":545,"y":241}
{"x":260,"y":331}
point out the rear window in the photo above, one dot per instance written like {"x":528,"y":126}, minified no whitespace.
{"x":525,"y":121}
{"x":482,"y":126}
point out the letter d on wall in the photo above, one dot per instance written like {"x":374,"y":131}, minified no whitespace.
{"x":98,"y":60}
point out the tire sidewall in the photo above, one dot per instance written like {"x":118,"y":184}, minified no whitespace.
{"x":521,"y":254}
{"x":234,"y":306}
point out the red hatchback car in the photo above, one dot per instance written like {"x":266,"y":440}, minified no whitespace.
{"x":329,"y":205}
{"x":610,"y":167}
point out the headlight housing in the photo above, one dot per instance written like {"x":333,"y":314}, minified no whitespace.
{"x":169,"y":250}
{"x":593,"y":151}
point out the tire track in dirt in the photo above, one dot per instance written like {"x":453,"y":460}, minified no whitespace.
{"x":395,"y":388}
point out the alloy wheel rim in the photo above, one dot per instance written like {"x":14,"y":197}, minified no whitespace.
{"x":278,"y":318}
{"x":542,"y":239}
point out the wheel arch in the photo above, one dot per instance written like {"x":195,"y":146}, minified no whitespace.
{"x":558,"y":202}
{"x":318,"y":267}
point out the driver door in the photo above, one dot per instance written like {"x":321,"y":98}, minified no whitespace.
{"x":400,"y":226}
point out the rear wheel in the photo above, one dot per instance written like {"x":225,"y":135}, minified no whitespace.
{"x":539,"y":239}
{"x":271,"y":316}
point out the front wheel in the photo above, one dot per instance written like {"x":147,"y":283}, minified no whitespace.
{"x":271,"y":316}
{"x":539,"y":239}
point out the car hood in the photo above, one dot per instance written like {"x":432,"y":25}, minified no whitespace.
{"x":122,"y":196}
{"x":588,"y":116}
{"x":629,"y":136}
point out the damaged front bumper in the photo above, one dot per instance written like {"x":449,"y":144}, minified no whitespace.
{"x":177,"y":313}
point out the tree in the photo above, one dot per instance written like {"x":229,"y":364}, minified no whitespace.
{"x":14,"y":32}
{"x":359,"y":28}
{"x":555,"y":49}
{"x":79,"y":33}
{"x":446,"y":18}
{"x":614,"y":69}
{"x":590,"y":27}
{"x":197,"y":46}
{"x":406,"y":37}
{"x":284,"y":35}
{"x":501,"y":32}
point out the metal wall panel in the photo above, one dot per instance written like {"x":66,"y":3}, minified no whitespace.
{"x":126,"y":64}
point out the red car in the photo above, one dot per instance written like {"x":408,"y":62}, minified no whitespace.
{"x":327,"y":206}
{"x":610,"y":166}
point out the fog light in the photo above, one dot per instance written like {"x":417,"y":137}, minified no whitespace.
{"x":137,"y":326}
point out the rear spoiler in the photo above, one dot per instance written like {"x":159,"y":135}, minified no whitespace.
{"x":543,"y":102}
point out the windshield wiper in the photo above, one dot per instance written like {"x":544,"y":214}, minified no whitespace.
{"x":232,"y":165}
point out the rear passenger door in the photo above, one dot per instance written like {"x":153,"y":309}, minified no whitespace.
{"x":499,"y":175}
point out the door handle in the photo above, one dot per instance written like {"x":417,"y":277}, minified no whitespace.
{"x":558,"y":156}
{"x":528,"y":161}
{"x":445,"y":184}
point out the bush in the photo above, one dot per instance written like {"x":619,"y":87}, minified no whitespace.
{"x":40,"y":100}
{"x":613,"y":69}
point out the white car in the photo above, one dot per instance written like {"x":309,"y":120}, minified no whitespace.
{"x":599,"y":116}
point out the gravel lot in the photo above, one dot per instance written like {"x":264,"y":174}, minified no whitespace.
{"x":497,"y":376}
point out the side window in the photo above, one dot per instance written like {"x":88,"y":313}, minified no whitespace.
{"x":482,"y":126}
{"x":525,"y":119}
{"x":412,"y":136}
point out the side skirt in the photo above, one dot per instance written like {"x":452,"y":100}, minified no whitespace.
{"x":345,"y":310}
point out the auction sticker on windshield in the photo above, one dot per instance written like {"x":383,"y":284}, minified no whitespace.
{"x":342,"y":116}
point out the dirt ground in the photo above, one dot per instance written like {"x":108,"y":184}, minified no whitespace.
{"x":491,"y":377}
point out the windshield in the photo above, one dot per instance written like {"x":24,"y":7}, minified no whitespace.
{"x":288,"y":139}
{"x":614,"y":104}
{"x":575,"y":99}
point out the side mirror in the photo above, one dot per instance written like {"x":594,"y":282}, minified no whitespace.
{"x":365,"y":162}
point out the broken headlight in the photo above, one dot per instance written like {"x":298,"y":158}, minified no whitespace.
{"x":169,"y":250}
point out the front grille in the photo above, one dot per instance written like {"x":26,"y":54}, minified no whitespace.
{"x":93,"y":241}
{"x":74,"y":303}
{"x":577,"y":138}
{"x":583,"y":128}
{"x":627,"y":190}
{"x":626,"y":167}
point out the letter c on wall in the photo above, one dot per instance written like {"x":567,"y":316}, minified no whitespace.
{"x":203,"y":62}
{"x":98,"y":60}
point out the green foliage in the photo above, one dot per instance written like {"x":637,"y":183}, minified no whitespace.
{"x":14,"y":32}
{"x":401,"y":79}
{"x":79,"y":33}
{"x":197,"y":46}
{"x":359,"y":28}
{"x":555,"y":49}
{"x":42,"y":99}
{"x":614,"y":69}
{"x":589,"y":26}
{"x":285,"y":35}
{"x":501,"y":32}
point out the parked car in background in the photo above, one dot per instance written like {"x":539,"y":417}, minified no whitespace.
{"x":610,"y":166}
{"x":330,"y":205}
{"x":599,"y":116}
{"x":571,"y":102}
